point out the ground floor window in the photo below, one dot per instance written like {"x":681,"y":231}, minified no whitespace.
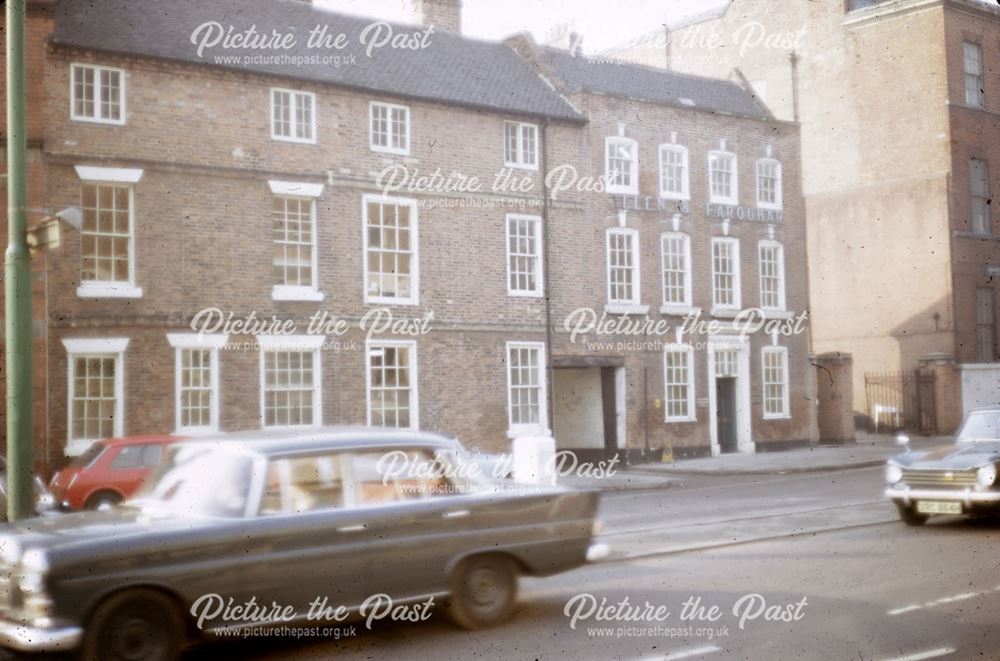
{"x":290,"y":381}
{"x":196,"y":365}
{"x":526,"y":388}
{"x":392,"y":384}
{"x":678,"y":383}
{"x":96,"y":390}
{"x":775,"y":372}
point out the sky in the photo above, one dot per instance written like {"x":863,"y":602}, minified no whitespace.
{"x":601,"y":23}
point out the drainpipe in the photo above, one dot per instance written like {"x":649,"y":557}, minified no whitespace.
{"x":543,"y":169}
{"x":17,"y":266}
{"x":793,"y":59}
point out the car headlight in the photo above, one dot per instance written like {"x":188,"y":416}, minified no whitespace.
{"x":893,"y":473}
{"x":986,"y":475}
{"x":36,"y":603}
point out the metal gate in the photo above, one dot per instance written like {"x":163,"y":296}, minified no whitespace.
{"x":901,"y":400}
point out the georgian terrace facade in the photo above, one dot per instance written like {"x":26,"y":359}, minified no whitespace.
{"x":247,"y":204}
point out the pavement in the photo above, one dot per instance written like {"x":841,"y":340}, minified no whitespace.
{"x":869,"y":450}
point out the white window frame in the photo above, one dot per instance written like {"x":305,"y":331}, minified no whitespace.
{"x":737,"y":303}
{"x":411,"y":346}
{"x":536,"y":224}
{"x":621,"y":306}
{"x":302,"y":191}
{"x":673,"y":307}
{"x":414,"y":298}
{"x":980,"y":85}
{"x":293,"y":120}
{"x":197,"y":341}
{"x":303,"y":343}
{"x":92,"y":175}
{"x":99,"y":71}
{"x":778,"y":184}
{"x":105,"y":347}
{"x":529,"y":429}
{"x":733,"y":199}
{"x":519,"y":161}
{"x":387,"y":149}
{"x":685,"y":192}
{"x":633,"y":187}
{"x":975,"y":193}
{"x":785,"y":412}
{"x":688,"y":351}
{"x":761,"y":247}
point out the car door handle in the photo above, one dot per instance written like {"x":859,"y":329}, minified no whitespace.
{"x":354,"y":528}
{"x":457,"y":514}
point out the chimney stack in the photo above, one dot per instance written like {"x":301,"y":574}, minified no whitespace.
{"x":444,"y":15}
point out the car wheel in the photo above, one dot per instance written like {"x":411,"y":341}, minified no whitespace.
{"x":139,"y":625}
{"x":910,"y":516}
{"x":103,"y":500}
{"x":483,"y":591}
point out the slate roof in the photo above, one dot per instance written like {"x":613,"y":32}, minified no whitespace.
{"x":582,"y":73}
{"x":451,"y":69}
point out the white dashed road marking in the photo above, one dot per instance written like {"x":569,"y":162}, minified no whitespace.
{"x":690,"y":654}
{"x":920,"y":656}
{"x":937,"y":602}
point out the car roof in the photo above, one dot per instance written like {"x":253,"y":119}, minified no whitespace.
{"x":135,"y":440}
{"x":293,"y":441}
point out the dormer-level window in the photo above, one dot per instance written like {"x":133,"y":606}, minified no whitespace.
{"x":390,"y":128}
{"x":97,"y":94}
{"x":293,"y":115}
{"x":769,"y":184}
{"x":722,"y":178}
{"x":621,"y":165}
{"x":520,"y":145}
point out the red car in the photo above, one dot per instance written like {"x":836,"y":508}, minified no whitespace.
{"x":108,"y":472}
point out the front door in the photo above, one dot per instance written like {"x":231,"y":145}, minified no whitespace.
{"x":725,"y":411}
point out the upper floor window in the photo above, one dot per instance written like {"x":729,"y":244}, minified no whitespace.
{"x":674,"y":176}
{"x":97,"y":94}
{"x":972,"y":57}
{"x":293,"y":115}
{"x":293,"y":232}
{"x":623,"y":266}
{"x":769,"y":184}
{"x":772,"y":275}
{"x":722,"y":178}
{"x":390,"y":245}
{"x":524,"y":255}
{"x":621,"y":165}
{"x":676,"y":249}
{"x":979,"y":184}
{"x":107,"y":235}
{"x":726,"y":273}
{"x":390,"y":128}
{"x":520,"y":145}
{"x":986,"y":338}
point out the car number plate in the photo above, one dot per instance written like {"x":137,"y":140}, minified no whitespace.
{"x":938,"y":507}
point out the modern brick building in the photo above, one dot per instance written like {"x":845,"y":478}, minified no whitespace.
{"x":899,"y":103}
{"x":363,"y":230}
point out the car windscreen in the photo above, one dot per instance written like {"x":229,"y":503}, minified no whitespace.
{"x":199,"y":480}
{"x":88,"y":456}
{"x":980,"y":427}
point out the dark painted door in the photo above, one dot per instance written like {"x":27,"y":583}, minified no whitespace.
{"x":725,"y":403}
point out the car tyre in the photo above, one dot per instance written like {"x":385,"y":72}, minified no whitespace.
{"x":910,"y":516}
{"x":103,"y":500}
{"x":132,"y":626}
{"x":483,"y":591}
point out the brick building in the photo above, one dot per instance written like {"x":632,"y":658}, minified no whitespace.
{"x":899,"y":103}
{"x":311,"y":207}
